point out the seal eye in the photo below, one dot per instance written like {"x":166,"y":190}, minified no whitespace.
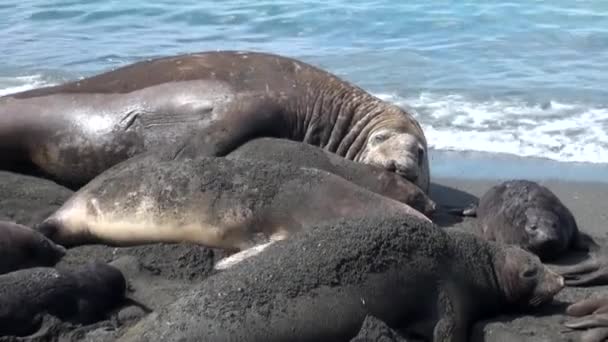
{"x":530,"y":272}
{"x":378,"y":138}
{"x":420,"y":155}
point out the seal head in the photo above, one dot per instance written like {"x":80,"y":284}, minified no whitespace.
{"x":524,"y":280}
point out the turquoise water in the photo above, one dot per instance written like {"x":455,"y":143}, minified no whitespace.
{"x":527,"y":78}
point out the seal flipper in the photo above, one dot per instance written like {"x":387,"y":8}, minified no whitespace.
{"x":246,"y":117}
{"x":468,"y":211}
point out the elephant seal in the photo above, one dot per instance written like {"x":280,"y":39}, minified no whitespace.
{"x":213,"y":201}
{"x":529,"y":215}
{"x":591,"y":314}
{"x":81,"y":295}
{"x":23,"y":247}
{"x":321,"y":284}
{"x":370,"y":177}
{"x":74,"y":131}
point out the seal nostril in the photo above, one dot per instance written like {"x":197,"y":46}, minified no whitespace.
{"x":391,"y":166}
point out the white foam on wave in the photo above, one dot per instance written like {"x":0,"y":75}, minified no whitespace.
{"x":559,"y":131}
{"x":10,"y":85}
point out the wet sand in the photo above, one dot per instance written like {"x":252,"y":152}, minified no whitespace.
{"x":158,"y":274}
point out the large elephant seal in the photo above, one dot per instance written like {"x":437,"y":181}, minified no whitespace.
{"x":23,"y":247}
{"x":321,"y":284}
{"x":81,"y":295}
{"x":370,"y":177}
{"x":529,"y":215}
{"x":213,"y":201}
{"x":74,"y":131}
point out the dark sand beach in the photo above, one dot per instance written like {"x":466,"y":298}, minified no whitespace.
{"x":157,"y":274}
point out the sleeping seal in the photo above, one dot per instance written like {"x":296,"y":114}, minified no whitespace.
{"x":23,"y":247}
{"x":80,"y":295}
{"x":74,"y":131}
{"x":213,"y":201}
{"x":529,"y":215}
{"x":321,"y":284}
{"x":370,"y":177}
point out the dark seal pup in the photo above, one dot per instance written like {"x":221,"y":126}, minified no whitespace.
{"x":74,"y":131}
{"x":23,"y":247}
{"x":321,"y":284}
{"x":370,"y":177}
{"x":221,"y":203}
{"x":81,"y":295}
{"x":529,"y":215}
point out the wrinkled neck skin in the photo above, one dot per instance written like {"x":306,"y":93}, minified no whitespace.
{"x":339,"y":117}
{"x":475,"y":261}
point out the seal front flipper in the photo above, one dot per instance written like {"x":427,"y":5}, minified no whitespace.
{"x":451,"y":326}
{"x":593,"y":316}
{"x":243,"y":118}
{"x":591,"y":272}
{"x":468,"y":211}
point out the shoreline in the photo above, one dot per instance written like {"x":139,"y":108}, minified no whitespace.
{"x":472,"y":165}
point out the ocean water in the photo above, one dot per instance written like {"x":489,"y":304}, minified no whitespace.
{"x":525,"y":78}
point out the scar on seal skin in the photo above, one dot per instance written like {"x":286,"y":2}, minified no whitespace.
{"x":233,"y":204}
{"x":204,"y":104}
{"x":375,"y":179}
{"x":529,"y":215}
{"x":23,"y":247}
{"x":321,"y":284}
{"x":82,"y":295}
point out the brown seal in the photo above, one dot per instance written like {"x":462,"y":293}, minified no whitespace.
{"x":529,"y":215}
{"x":74,"y":131}
{"x":321,"y":284}
{"x":212,"y":201}
{"x":81,"y":295}
{"x":23,"y":247}
{"x":370,"y":177}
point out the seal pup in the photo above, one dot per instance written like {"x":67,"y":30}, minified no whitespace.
{"x":370,"y":177}
{"x":591,"y":314}
{"x":74,"y":131}
{"x":82,"y":295}
{"x":529,"y":215}
{"x":23,"y":247}
{"x":232,"y":204}
{"x":321,"y":284}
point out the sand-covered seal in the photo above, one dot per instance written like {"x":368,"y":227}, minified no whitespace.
{"x":74,"y":131}
{"x":590,"y":314}
{"x":224,"y":203}
{"x":23,"y":247}
{"x":370,"y":177}
{"x":82,"y":295}
{"x":321,"y":284}
{"x":529,"y":215}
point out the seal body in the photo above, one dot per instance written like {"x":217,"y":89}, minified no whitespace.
{"x":213,"y":201}
{"x":23,"y":247}
{"x":529,"y":215}
{"x":74,"y":131}
{"x":80,"y":295}
{"x":320,"y":286}
{"x":370,"y":177}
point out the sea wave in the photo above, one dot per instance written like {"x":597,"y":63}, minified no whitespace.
{"x":568,"y":132}
{"x":10,"y":85}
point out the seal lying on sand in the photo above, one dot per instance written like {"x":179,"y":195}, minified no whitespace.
{"x":592,"y":315}
{"x":212,"y":201}
{"x":82,"y":295}
{"x":529,"y":215}
{"x":23,"y":247}
{"x":372,"y":178}
{"x":74,"y":131}
{"x":321,"y":284}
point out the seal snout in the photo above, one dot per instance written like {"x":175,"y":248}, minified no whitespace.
{"x":49,"y":228}
{"x":553,"y":283}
